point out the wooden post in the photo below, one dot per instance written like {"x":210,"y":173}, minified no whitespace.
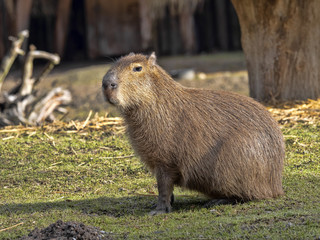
{"x":222,"y":27}
{"x":23,"y":9}
{"x":146,"y":20}
{"x":187,"y":29}
{"x":62,"y":25}
{"x":92,"y":16}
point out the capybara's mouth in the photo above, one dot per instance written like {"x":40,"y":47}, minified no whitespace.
{"x":111,"y":100}
{"x":107,"y":93}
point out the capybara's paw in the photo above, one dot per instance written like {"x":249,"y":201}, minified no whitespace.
{"x":155,"y":205}
{"x":158,"y":211}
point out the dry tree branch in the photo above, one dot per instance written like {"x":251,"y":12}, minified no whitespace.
{"x":44,"y":108}
{"x":16,"y":225}
{"x":27,"y":80}
{"x":22,"y":104}
{"x":14,"y":51}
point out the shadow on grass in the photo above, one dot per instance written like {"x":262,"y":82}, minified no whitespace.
{"x":113,"y":207}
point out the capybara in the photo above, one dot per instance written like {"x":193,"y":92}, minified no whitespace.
{"x":222,"y":144}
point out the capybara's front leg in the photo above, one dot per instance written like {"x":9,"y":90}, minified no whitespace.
{"x":165,"y":189}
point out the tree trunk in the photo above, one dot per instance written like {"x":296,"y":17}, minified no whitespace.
{"x":62,"y":25}
{"x":280,"y":39}
{"x":222,"y":27}
{"x":146,"y":21}
{"x":187,"y":29}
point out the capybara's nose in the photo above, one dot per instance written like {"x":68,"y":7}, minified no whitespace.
{"x":112,"y":85}
{"x":109,"y":81}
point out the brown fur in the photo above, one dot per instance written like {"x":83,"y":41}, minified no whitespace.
{"x":218,"y":143}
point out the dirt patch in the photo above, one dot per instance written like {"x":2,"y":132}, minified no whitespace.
{"x":67,"y":231}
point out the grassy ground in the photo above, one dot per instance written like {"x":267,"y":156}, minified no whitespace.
{"x":92,"y":177}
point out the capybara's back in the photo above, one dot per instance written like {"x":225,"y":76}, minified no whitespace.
{"x":231,"y":142}
{"x":221,"y":144}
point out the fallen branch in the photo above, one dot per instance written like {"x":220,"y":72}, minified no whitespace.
{"x":86,"y":121}
{"x":8,"y":228}
{"x":121,"y":157}
{"x":17,"y":130}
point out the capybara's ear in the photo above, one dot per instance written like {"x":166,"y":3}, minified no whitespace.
{"x":131,"y":54}
{"x":152,"y":59}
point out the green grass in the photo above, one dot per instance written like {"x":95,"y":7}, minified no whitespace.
{"x":48,"y":176}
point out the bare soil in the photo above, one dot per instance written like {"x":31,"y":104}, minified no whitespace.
{"x":67,"y":231}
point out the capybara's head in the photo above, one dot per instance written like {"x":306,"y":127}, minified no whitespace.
{"x":129,"y":80}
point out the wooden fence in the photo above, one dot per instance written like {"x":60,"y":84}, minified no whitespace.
{"x":82,"y":29}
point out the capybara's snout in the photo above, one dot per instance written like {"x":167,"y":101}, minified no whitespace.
{"x":109,"y":87}
{"x":109,"y":81}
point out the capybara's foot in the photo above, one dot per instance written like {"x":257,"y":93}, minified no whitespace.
{"x":171,"y":202}
{"x":158,"y":211}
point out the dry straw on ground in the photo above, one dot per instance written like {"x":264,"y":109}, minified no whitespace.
{"x":297,"y":112}
{"x":103,"y":123}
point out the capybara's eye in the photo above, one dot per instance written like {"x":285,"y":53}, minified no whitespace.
{"x":137,"y":69}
